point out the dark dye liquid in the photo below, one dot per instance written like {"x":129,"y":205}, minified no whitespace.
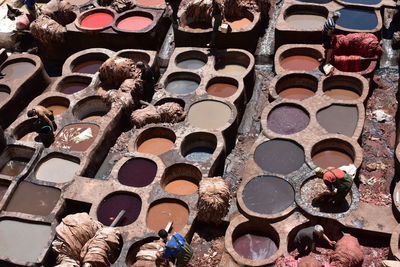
{"x":34,"y":199}
{"x":357,"y":19}
{"x":182,"y":86}
{"x":268,"y":194}
{"x":137,"y":172}
{"x":90,"y":67}
{"x":287,"y":120}
{"x":110,"y":207}
{"x":72,"y":88}
{"x":339,"y":119}
{"x":255,"y":247}
{"x":201,"y":153}
{"x":279,"y":156}
{"x":14,"y":167}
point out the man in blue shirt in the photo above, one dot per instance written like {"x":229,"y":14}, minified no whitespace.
{"x":176,"y":249}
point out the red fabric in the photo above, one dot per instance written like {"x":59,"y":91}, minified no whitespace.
{"x":350,"y":63}
{"x":348,"y":253}
{"x":331,"y":174}
{"x":287,"y":261}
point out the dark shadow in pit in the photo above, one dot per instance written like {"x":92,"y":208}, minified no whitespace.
{"x":324,"y":206}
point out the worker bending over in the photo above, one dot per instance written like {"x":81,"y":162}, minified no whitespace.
{"x":306,"y":238}
{"x":176,"y":249}
{"x":327,"y":35}
{"x":44,"y":123}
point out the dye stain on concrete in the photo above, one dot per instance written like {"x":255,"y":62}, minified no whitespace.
{"x":239,"y":23}
{"x":305,"y":21}
{"x":279,"y":156}
{"x":255,"y":246}
{"x":268,"y":194}
{"x":155,"y":146}
{"x":77,"y":137}
{"x":110,"y":207}
{"x":56,"y":170}
{"x":137,"y":172}
{"x":72,"y":88}
{"x":298,"y":93}
{"x":303,"y":63}
{"x":357,"y":18}
{"x":89,"y":67}
{"x":200,"y":153}
{"x":182,"y":86}
{"x":181,"y":186}
{"x":14,"y":167}
{"x":97,"y":20}
{"x":232,"y":69}
{"x":134,"y":23}
{"x":34,"y":199}
{"x":167,"y":210}
{"x":17,"y":70}
{"x":191,"y":64}
{"x":339,"y":119}
{"x":23,"y":241}
{"x":222,"y":89}
{"x":287,"y":119}
{"x":331,"y":158}
{"x":209,"y":114}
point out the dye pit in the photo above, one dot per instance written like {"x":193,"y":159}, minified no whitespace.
{"x":264,"y":146}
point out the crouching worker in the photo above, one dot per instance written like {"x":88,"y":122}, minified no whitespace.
{"x":44,"y":124}
{"x":177,"y":249}
{"x":338,"y":182}
{"x":148,"y":79}
{"x":306,"y":238}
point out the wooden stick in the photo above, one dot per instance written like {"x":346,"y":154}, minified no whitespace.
{"x":118,"y":218}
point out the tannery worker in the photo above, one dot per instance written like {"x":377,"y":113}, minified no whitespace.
{"x":338,"y":182}
{"x":148,"y":78}
{"x":217,"y":21}
{"x":44,"y":124}
{"x":306,"y":238}
{"x":177,"y":249}
{"x":327,"y":35}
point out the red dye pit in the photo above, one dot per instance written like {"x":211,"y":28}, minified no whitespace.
{"x":134,"y":23}
{"x":97,"y":20}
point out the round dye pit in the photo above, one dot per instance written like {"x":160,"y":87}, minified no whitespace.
{"x":331,"y":158}
{"x":222,"y":89}
{"x":209,"y":114}
{"x":137,"y":172}
{"x":342,"y":93}
{"x":268,"y":194}
{"x":299,"y":93}
{"x":23,"y":241}
{"x":239,"y":23}
{"x":110,"y":207}
{"x":3,"y":188}
{"x":296,"y":86}
{"x":161,"y":212}
{"x":14,"y":167}
{"x":181,"y":179}
{"x":56,"y":170}
{"x":97,"y":20}
{"x":255,"y":246}
{"x":134,"y":23}
{"x":231,"y":69}
{"x":155,"y":146}
{"x":73,"y":87}
{"x":198,"y":146}
{"x":342,"y":87}
{"x":4,"y":93}
{"x":200,"y":153}
{"x":89,"y":67}
{"x":17,"y":70}
{"x":151,"y":3}
{"x":357,"y":19}
{"x":33,"y":199}
{"x":191,"y":63}
{"x":182,"y":86}
{"x":302,"y":63}
{"x":77,"y":136}
{"x":57,"y":109}
{"x":90,"y":108}
{"x":339,"y":119}
{"x":287,"y":119}
{"x":279,"y":156}
{"x":312,"y":188}
{"x":305,"y":21}
{"x":191,"y":59}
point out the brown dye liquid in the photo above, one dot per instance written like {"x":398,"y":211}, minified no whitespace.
{"x":342,"y":94}
{"x":255,"y":247}
{"x":305,"y":21}
{"x":221,"y":89}
{"x":209,"y":114}
{"x":331,"y":158}
{"x":56,"y":170}
{"x":339,"y":119}
{"x":299,"y":63}
{"x":34,"y":199}
{"x":160,"y":214}
{"x":57,"y":109}
{"x":3,"y":189}
{"x":299,"y":93}
{"x":198,"y":26}
{"x":14,"y":167}
{"x":90,"y":67}
{"x":155,"y":146}
{"x":30,"y":137}
{"x":17,"y":70}
{"x":77,"y":136}
{"x":232,"y":69}
{"x":181,"y":187}
{"x":239,"y":24}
